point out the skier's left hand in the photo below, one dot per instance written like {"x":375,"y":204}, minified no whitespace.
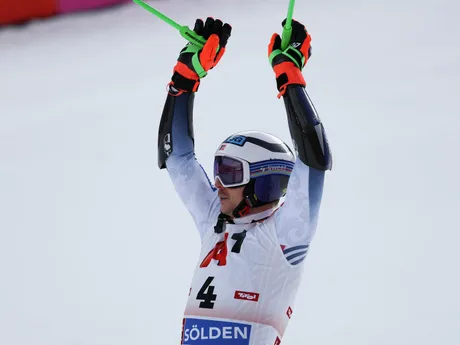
{"x":195,"y":62}
{"x":288,"y":64}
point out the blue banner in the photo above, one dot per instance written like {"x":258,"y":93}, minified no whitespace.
{"x":207,"y":332}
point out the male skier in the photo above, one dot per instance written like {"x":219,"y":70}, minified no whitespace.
{"x":252,"y":247}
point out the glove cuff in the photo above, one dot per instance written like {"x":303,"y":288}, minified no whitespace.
{"x":287,"y":74}
{"x":183,"y":84}
{"x":185,"y":79}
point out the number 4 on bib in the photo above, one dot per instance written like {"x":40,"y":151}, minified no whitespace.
{"x":206,"y":294}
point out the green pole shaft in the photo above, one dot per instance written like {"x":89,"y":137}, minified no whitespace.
{"x":158,"y":14}
{"x":287,"y":30}
{"x":185,"y":31}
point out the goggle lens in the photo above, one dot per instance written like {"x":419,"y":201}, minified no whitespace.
{"x":230,"y":171}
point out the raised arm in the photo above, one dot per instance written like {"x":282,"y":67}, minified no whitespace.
{"x":297,"y":219}
{"x":175,"y":135}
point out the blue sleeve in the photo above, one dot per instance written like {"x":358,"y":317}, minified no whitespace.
{"x":188,"y":176}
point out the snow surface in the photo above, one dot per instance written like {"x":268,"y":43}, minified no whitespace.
{"x":95,"y":247}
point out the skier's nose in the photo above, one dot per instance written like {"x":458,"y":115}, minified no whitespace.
{"x":218,"y":184}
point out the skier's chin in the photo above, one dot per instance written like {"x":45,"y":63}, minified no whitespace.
{"x":226,"y":207}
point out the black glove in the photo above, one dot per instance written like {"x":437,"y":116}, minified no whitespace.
{"x":289,"y":63}
{"x":195,"y":62}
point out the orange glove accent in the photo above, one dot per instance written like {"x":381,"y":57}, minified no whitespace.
{"x":209,"y":52}
{"x":287,"y":73}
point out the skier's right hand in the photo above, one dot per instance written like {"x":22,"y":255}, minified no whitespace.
{"x":195,"y":62}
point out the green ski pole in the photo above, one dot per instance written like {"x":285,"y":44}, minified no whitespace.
{"x":184,"y":30}
{"x":287,"y":30}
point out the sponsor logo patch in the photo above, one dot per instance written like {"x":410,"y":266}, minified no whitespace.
{"x":167,"y":147}
{"x":289,"y":312}
{"x":203,"y":332}
{"x":237,"y":140}
{"x":277,"y":341}
{"x":248,"y":296}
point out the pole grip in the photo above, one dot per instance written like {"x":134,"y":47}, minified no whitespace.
{"x":287,"y":29}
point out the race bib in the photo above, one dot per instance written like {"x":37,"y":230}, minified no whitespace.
{"x":207,"y":332}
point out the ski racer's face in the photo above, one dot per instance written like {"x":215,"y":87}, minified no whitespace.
{"x":229,"y":197}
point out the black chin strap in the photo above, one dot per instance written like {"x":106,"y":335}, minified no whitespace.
{"x":245,"y":205}
{"x":221,"y":220}
{"x":242,"y":209}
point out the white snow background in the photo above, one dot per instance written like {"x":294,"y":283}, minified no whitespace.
{"x":96,"y":248}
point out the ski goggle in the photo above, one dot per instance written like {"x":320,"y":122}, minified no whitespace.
{"x":235,"y":172}
{"x":231,"y":172}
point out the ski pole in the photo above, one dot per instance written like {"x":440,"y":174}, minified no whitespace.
{"x":287,"y":30}
{"x":184,"y":30}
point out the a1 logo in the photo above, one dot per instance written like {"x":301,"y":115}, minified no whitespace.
{"x":220,"y":252}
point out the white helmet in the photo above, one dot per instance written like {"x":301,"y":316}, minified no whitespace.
{"x":260,"y":161}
